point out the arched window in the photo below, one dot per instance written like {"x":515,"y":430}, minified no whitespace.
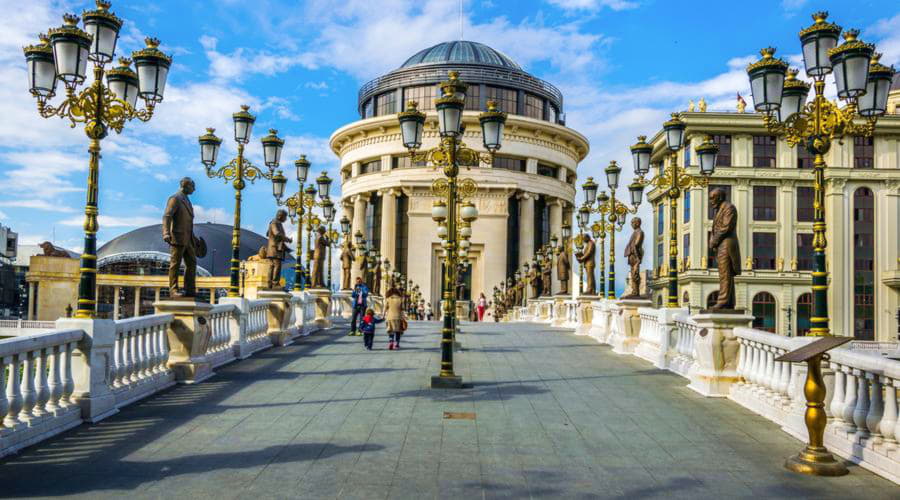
{"x":804,"y":312}
{"x":864,"y":264}
{"x":711,"y":299}
{"x":764,"y":311}
{"x":685,"y":299}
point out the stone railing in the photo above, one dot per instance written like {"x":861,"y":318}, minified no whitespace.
{"x":140,"y":354}
{"x":36,"y":386}
{"x":87,"y":369}
{"x":20,"y":327}
{"x":861,"y":402}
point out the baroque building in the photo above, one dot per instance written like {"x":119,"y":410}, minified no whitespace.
{"x":771,"y":185}
{"x":522,"y":199}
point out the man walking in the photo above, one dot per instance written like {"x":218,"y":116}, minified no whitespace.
{"x":360,"y":299}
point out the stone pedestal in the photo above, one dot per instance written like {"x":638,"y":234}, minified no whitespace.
{"x":715,"y":352}
{"x":188,"y":339}
{"x":585,"y":314}
{"x":322,"y":301}
{"x":625,"y":324}
{"x":257,"y":277}
{"x":56,"y":280}
{"x":90,"y":366}
{"x":344,"y":300}
{"x":279,"y":316}
{"x":299,"y":316}
{"x":559,"y":310}
{"x":376,"y":302}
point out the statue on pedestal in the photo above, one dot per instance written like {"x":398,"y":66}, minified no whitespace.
{"x":318,"y":264}
{"x":277,"y":248}
{"x":563,"y":269}
{"x":377,"y":280}
{"x":346,"y":263}
{"x":634,"y":253}
{"x":586,"y":258}
{"x":534,"y":279}
{"x":178,"y":232}
{"x":546,"y":272}
{"x":723,"y":240}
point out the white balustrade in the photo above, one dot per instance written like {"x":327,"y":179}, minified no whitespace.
{"x":224,"y":319}
{"x":36,"y":387}
{"x":140,"y":356}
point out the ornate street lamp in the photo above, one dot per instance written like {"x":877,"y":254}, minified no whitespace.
{"x":672,"y":179}
{"x":612,"y":218}
{"x":450,"y":154}
{"x":237,"y":171}
{"x":63,"y":56}
{"x":861,"y":82}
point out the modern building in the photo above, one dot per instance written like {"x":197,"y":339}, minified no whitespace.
{"x":771,"y":185}
{"x":523,"y":197}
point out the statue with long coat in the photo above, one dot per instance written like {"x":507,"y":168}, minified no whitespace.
{"x":276,"y":247}
{"x":634,"y":253}
{"x":346,"y":264}
{"x":563,"y":270}
{"x":546,"y":273}
{"x":586,"y":258}
{"x":723,"y":239}
{"x":318,"y":264}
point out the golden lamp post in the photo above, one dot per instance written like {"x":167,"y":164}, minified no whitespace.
{"x":863,"y":84}
{"x":237,"y":171}
{"x":599,"y":229}
{"x":300,"y":205}
{"x":62,"y":56}
{"x":612,"y":215}
{"x":450,"y":154}
{"x":672,"y":179}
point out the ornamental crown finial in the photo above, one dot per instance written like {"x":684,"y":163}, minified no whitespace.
{"x":103,"y":5}
{"x":412,"y":105}
{"x":70,"y":19}
{"x":767,"y":52}
{"x":45,"y":40}
{"x":125,"y":61}
{"x":453,"y":74}
{"x":642,"y":138}
{"x":875,"y":57}
{"x":273,"y":131}
{"x":245,"y":107}
{"x":792,"y":74}
{"x":492,"y":105}
{"x":210,"y":130}
{"x":850,"y":35}
{"x":151,"y":42}
{"x":820,"y":16}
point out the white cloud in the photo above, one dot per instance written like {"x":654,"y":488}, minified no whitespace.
{"x":242,"y":62}
{"x":316,"y":85}
{"x":888,"y":39}
{"x":3,"y":214}
{"x":594,"y":4}
{"x":215,"y":215}
{"x":110,"y":221}
{"x":36,"y":204}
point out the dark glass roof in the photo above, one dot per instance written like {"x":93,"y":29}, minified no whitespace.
{"x":463,"y":52}
{"x":218,"y":244}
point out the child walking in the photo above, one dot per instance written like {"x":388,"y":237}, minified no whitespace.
{"x":368,"y":327}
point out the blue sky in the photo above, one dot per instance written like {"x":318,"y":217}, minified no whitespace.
{"x":622,"y":65}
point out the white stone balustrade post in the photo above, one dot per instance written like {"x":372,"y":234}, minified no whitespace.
{"x":861,"y":411}
{"x":849,"y":400}
{"x":89,"y":365}
{"x":889,"y":420}
{"x":715,"y":349}
{"x":876,"y":408}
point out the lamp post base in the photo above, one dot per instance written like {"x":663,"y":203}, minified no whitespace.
{"x":815,"y":462}
{"x":446,"y":382}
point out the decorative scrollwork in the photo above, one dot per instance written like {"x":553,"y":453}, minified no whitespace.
{"x":440,"y":187}
{"x":467,"y":188}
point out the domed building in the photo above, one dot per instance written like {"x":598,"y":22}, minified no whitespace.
{"x":522,"y":198}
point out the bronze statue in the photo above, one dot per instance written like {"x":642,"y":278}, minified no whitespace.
{"x":563,"y":269}
{"x":51,"y":250}
{"x":346,"y":263}
{"x":586,"y":258}
{"x":318,"y":264}
{"x":546,"y":273}
{"x":634,"y":252}
{"x":377,"y":281}
{"x":723,"y":240}
{"x":277,"y":247}
{"x":178,"y":232}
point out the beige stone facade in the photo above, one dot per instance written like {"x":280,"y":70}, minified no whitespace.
{"x":536,"y":142}
{"x":862,"y":214}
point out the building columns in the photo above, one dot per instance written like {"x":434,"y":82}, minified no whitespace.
{"x":359,"y":224}
{"x":29,"y":315}
{"x":137,"y":302}
{"x":116,"y":291}
{"x":389,"y":224}
{"x":526,"y":227}
{"x":556,"y":216}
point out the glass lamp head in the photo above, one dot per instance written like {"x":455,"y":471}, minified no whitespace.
{"x":793,"y":97}
{"x":272,"y":146}
{"x":302,"y":166}
{"x":816,"y":41}
{"x":492,"y":122}
{"x":640,"y":156}
{"x":439,"y":211}
{"x":70,"y":46}
{"x":412,"y":123}
{"x":209,"y":147}
{"x":323,"y":183}
{"x":152,"y":70}
{"x":612,"y":175}
{"x":345,"y":225}
{"x":41,"y":69}
{"x":123,"y":82}
{"x":707,"y":153}
{"x":279,"y":181}
{"x":674,"y":129}
{"x":851,"y":61}
{"x":243,"y":124}
{"x":767,"y":81}
{"x":874,"y":101}
{"x":590,"y":191}
{"x":103,"y":26}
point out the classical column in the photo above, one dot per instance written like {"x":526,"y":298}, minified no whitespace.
{"x":155,"y":295}
{"x":137,"y":301}
{"x":116,"y":302}
{"x":359,"y":224}
{"x":839,"y":255}
{"x":212,"y":296}
{"x":556,"y":210}
{"x":526,"y":227}
{"x":786,"y":217}
{"x":389,"y":224}
{"x":29,"y":315}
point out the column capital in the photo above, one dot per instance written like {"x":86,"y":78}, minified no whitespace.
{"x":392,"y":191}
{"x":525,"y":196}
{"x":362,"y":197}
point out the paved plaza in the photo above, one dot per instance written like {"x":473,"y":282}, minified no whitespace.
{"x":550,"y":415}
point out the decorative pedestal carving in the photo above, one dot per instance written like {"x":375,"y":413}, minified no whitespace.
{"x":625,"y":324}
{"x":279,"y":316}
{"x":188,"y":339}
{"x":322,"y":301}
{"x":90,"y":367}
{"x":559,"y":310}
{"x":715,"y":352}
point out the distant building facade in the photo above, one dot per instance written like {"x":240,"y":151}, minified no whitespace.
{"x":771,"y":184}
